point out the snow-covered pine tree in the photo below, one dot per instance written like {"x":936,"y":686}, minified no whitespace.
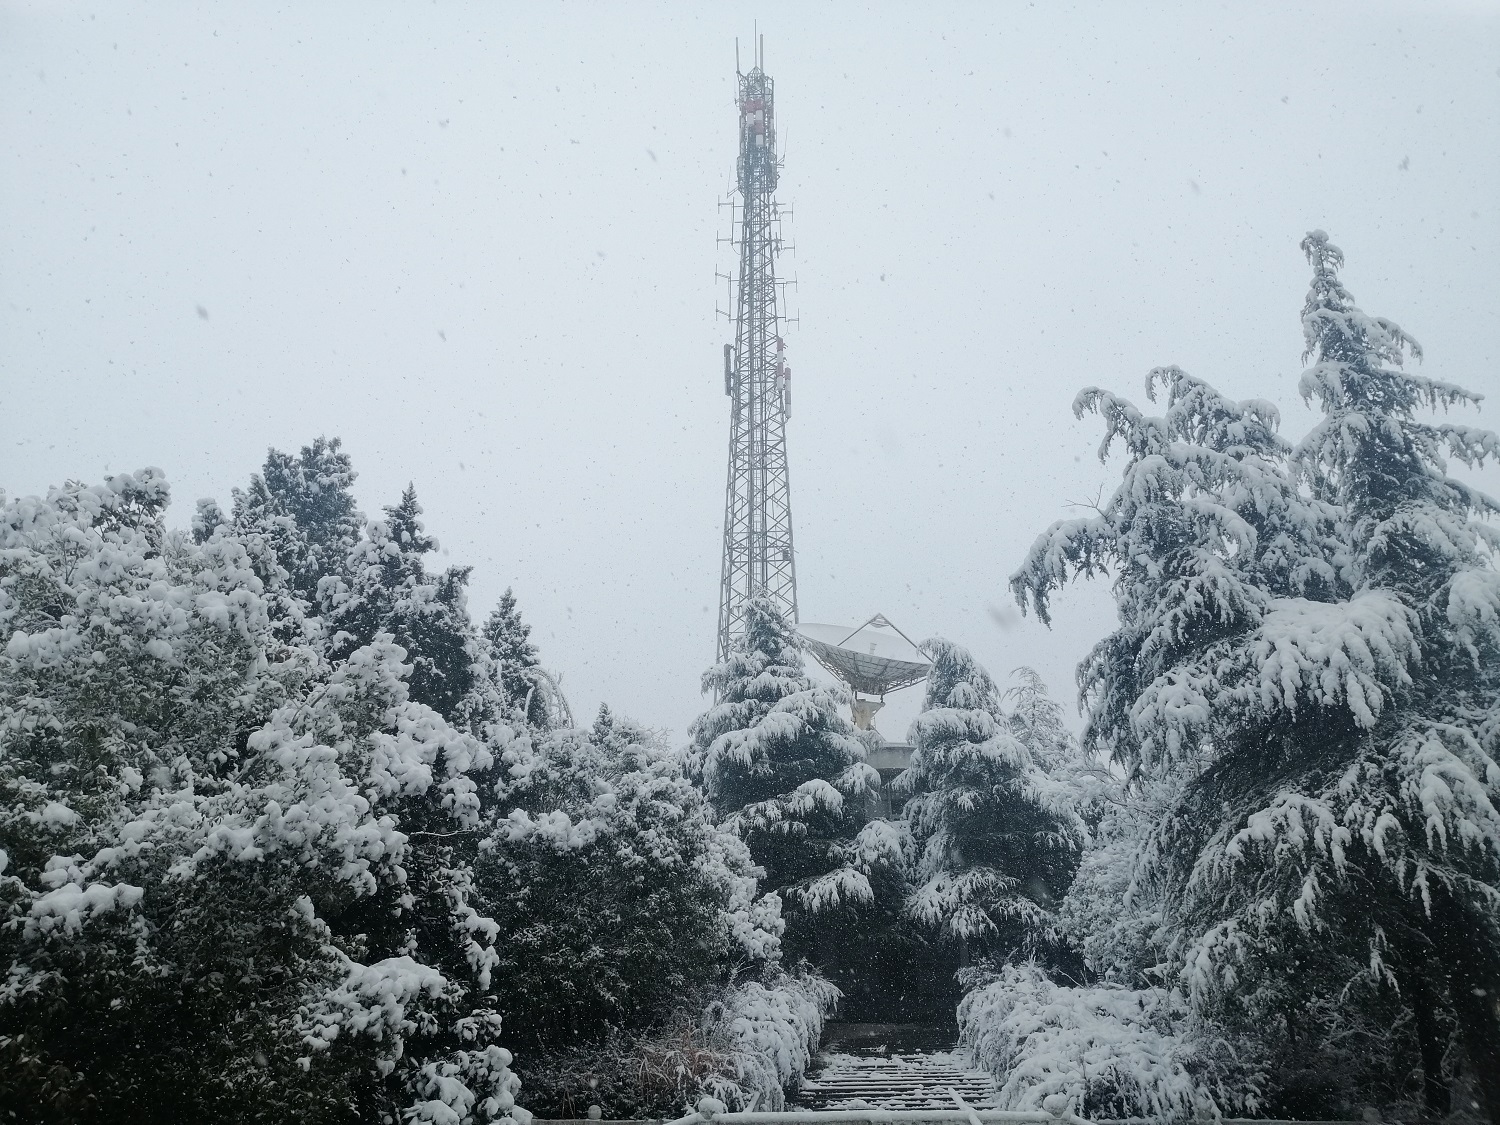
{"x":383,"y":587}
{"x":1206,"y":534}
{"x":639,"y":954}
{"x":642,"y":964}
{"x":1324,"y":702}
{"x":1182,"y":535}
{"x":509,"y":637}
{"x":1364,"y":770}
{"x":787,"y":772}
{"x":1036,"y":720}
{"x":417,"y":954}
{"x":208,"y":517}
{"x":1205,"y":525}
{"x":513,"y":666}
{"x":996,"y":837}
{"x":603,"y":733}
{"x":1344,"y":846}
{"x":302,"y":509}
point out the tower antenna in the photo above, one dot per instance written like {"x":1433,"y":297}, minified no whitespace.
{"x":758,"y":554}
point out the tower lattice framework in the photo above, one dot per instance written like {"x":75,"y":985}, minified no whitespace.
{"x":758,"y":554}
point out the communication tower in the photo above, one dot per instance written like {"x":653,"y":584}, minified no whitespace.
{"x":758,"y":554}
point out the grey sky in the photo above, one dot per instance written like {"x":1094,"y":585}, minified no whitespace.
{"x":478,"y":243}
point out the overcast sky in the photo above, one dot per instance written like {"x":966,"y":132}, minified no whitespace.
{"x":478,"y":242}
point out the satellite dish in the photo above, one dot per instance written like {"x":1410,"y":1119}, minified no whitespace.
{"x":874,"y":658}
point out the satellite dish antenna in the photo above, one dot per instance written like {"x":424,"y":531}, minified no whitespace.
{"x":872,"y":658}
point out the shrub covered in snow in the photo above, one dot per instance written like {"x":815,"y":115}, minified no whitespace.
{"x":771,"y":1031}
{"x":747,"y":1043}
{"x":192,"y":811}
{"x":642,"y":962}
{"x":1111,"y":1051}
{"x":281,"y":886}
{"x":616,"y":895}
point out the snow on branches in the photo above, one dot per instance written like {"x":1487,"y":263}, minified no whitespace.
{"x":1303,"y":690}
{"x":191,"y":791}
{"x":996,"y":835}
{"x":783,"y":768}
{"x":1111,"y":1052}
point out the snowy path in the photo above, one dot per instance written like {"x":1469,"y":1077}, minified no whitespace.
{"x":869,"y":1078}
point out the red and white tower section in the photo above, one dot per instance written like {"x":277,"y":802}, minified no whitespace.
{"x":758,"y":551}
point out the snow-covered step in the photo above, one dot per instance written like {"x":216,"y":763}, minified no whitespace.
{"x":898,"y":1080}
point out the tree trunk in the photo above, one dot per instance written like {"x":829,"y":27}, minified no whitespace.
{"x":1429,"y":1039}
{"x":1479,"y":1024}
{"x":1474,"y":985}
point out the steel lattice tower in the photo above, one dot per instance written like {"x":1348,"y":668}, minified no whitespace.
{"x":758,"y":554}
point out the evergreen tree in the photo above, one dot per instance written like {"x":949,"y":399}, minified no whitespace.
{"x":1207,"y":533}
{"x":191,"y":811}
{"x":997,"y":838}
{"x":604,"y":726}
{"x":1206,"y":526}
{"x":513,"y":665}
{"x":303,"y":510}
{"x":1309,"y":673}
{"x":1113,"y":913}
{"x":384,"y":587}
{"x":1412,"y":863}
{"x":207,"y":518}
{"x":508,"y":635}
{"x":787,"y":772}
{"x":1115,"y":1035}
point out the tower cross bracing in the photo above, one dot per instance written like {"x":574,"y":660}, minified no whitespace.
{"x":758,"y":551}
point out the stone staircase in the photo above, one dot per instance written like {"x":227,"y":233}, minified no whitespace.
{"x":875,"y":1078}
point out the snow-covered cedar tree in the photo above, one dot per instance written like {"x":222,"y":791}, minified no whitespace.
{"x":624,"y":912}
{"x":383,"y":587}
{"x":190,"y":812}
{"x":207,"y":518}
{"x":1036,"y":721}
{"x":1206,"y":528}
{"x":301,"y":508}
{"x":603,"y":733}
{"x":417,"y":946}
{"x":889,"y":966}
{"x":1389,"y":837}
{"x":995,"y":835}
{"x":1205,"y":524}
{"x":512,"y":664}
{"x":787,"y":772}
{"x":1316,"y":669}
